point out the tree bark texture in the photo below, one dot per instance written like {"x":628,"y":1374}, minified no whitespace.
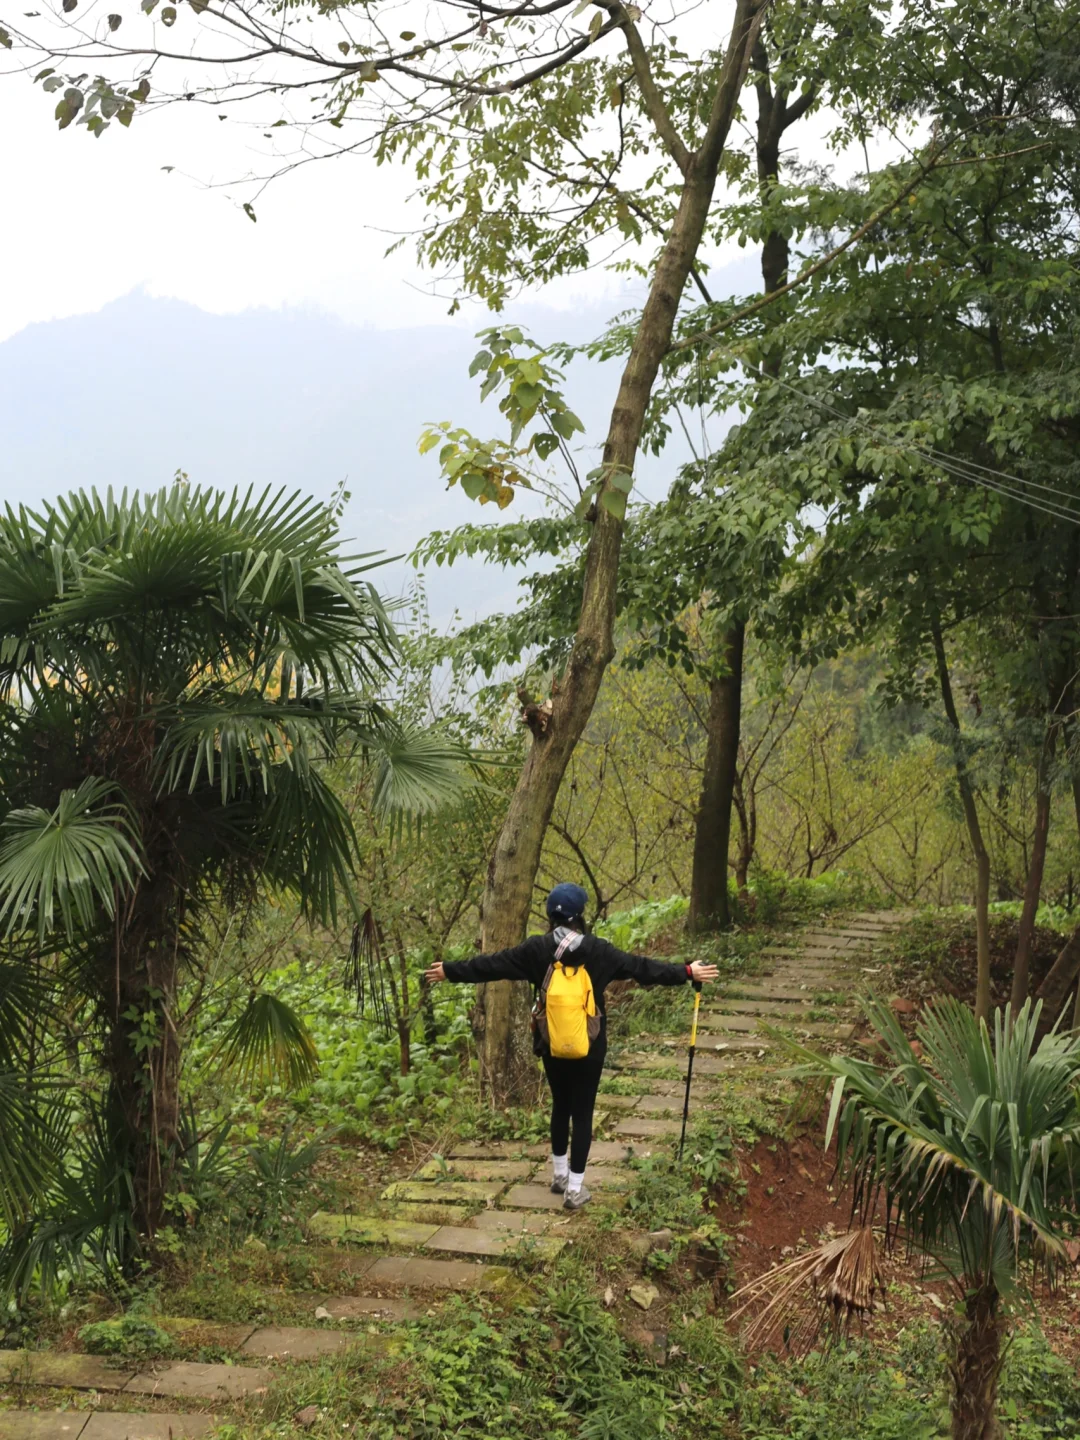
{"x":144,"y":1053}
{"x":1021,"y":982}
{"x":508,"y":1070}
{"x":976,"y":1368}
{"x":709,"y":905}
{"x":1055,"y":988}
{"x":974,"y":829}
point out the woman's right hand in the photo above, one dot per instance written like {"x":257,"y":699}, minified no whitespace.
{"x":434,"y":973}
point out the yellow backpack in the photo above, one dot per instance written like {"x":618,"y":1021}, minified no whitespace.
{"x":565,"y":1011}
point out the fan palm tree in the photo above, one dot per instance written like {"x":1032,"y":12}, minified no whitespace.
{"x":174,"y":669}
{"x":971,"y":1151}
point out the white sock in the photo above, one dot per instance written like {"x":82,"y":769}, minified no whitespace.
{"x":560,"y":1165}
{"x":575,"y":1182}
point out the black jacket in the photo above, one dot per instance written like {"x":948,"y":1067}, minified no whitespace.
{"x":530,"y":962}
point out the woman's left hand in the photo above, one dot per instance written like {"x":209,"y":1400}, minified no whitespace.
{"x":434,"y":974}
{"x":700,"y":972}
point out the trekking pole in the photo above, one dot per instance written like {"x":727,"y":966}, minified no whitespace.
{"x":690,"y":1065}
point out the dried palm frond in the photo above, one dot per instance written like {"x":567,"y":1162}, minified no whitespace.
{"x":364,"y":972}
{"x":833,"y":1284}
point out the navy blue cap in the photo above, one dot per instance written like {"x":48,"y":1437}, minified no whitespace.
{"x":567,"y":902}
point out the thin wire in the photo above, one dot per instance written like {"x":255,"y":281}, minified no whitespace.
{"x":965,"y":470}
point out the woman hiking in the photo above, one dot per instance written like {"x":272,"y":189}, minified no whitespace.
{"x":556,"y":965}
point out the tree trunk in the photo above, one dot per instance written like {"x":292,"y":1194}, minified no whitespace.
{"x":976,"y":1368}
{"x":974,"y":829}
{"x":1036,"y":866}
{"x":507,"y":1067}
{"x":1055,"y":988}
{"x":143,"y":1058}
{"x":709,"y":907}
{"x":745,"y":809}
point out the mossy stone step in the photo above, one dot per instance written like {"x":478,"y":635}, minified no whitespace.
{"x":368,"y":1229}
{"x":475,"y":1170}
{"x":193,"y":1332}
{"x":64,"y":1370}
{"x":497,"y":1150}
{"x":617,"y":1102}
{"x":476,"y":1192}
{"x":425,"y":1213}
{"x":660,"y":1104}
{"x":415,"y":1272}
{"x":755,"y":1007}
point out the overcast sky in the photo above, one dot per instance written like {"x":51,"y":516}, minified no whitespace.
{"x":133,"y":393}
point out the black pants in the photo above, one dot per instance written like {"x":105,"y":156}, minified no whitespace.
{"x":574,"y":1084}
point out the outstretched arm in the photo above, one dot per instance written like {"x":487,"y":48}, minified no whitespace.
{"x":517,"y":963}
{"x":658,"y":972}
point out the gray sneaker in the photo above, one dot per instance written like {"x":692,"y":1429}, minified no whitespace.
{"x":558,"y":1185}
{"x":575,"y":1199}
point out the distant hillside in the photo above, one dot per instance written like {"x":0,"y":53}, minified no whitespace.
{"x":144,"y":387}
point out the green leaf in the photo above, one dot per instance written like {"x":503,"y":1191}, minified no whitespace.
{"x":614,"y":502}
{"x":115,"y":21}
{"x":70,"y":860}
{"x":168,"y":15}
{"x":270,"y":1042}
{"x":249,"y":211}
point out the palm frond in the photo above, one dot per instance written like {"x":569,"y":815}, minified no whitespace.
{"x":84,"y":1225}
{"x":32,"y":1139}
{"x":71,"y":860}
{"x":268,"y":1042}
{"x":836,"y":1283}
{"x":974,"y":1147}
{"x":416,"y":773}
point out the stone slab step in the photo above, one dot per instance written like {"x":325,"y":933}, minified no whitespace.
{"x":800,"y":994}
{"x":757,"y":1007}
{"x":431,"y":1214}
{"x":466,"y":1241}
{"x":659,"y":1104}
{"x":368,"y":1229}
{"x":512,"y":1222}
{"x":298,"y":1342}
{"x":476,"y":1192}
{"x":617,"y":1102}
{"x":704,"y":1064}
{"x":497,"y":1150}
{"x":475,"y":1170}
{"x":177,"y":1379}
{"x":101,"y":1425}
{"x":185,"y":1379}
{"x":370,"y":1307}
{"x":69,"y":1371}
{"x":799,"y":1027}
{"x":649,"y":1128}
{"x":421,"y":1273}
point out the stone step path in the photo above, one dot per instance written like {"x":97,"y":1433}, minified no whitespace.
{"x":175,"y":1379}
{"x":102,"y":1425}
{"x":460,"y":1215}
